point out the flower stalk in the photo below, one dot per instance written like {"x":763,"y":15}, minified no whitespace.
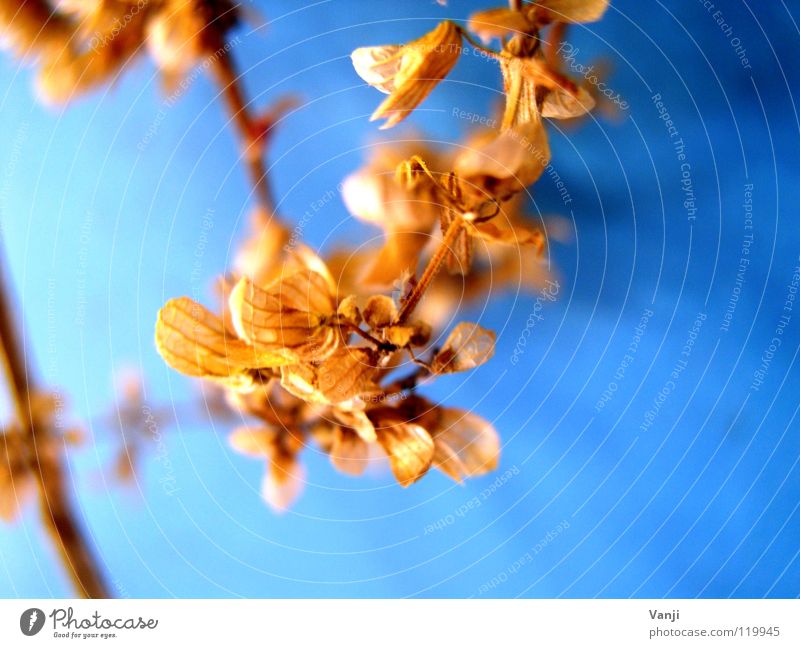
{"x":56,"y":510}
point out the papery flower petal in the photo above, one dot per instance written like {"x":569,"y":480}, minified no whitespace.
{"x":498,"y":23}
{"x":410,"y":450}
{"x":283,"y":482}
{"x":465,"y":444}
{"x":378,"y":66}
{"x":348,"y":373}
{"x":253,"y":441}
{"x":379,"y":311}
{"x":468,"y":346}
{"x":281,"y":319}
{"x":507,"y":164}
{"x":194,"y":341}
{"x":358,"y":421}
{"x":573,"y":11}
{"x":561,"y":103}
{"x":349,"y":453}
{"x":501,"y":230}
{"x":423,"y":63}
{"x":400,"y":254}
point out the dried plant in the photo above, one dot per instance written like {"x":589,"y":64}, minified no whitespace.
{"x":316,"y":350}
{"x":331,"y":351}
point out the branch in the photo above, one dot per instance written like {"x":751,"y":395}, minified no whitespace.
{"x":56,"y":511}
{"x":248,"y":127}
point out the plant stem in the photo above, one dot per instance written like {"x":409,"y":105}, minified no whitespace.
{"x":57,"y":515}
{"x":252,"y":140}
{"x":515,"y":5}
{"x":453,"y":230}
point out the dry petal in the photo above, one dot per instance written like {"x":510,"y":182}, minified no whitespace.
{"x":348,"y":310}
{"x":348,"y":374}
{"x":465,"y":444}
{"x":253,"y":441}
{"x":508,"y":163}
{"x":563,"y":103}
{"x":349,"y":453}
{"x":410,"y":449}
{"x":290,"y":315}
{"x":283,"y":482}
{"x":194,"y":341}
{"x":573,"y":11}
{"x":358,"y":421}
{"x":410,"y":72}
{"x":468,"y":346}
{"x":501,"y":230}
{"x":498,"y":23}
{"x":399,"y":255}
{"x":378,"y":66}
{"x":380,"y":311}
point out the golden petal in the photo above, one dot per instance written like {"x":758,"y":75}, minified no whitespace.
{"x":425,"y":62}
{"x":253,"y":441}
{"x":468,"y":346}
{"x":410,"y":450}
{"x":349,"y":452}
{"x":283,"y":482}
{"x":498,"y":23}
{"x":465,"y":444}
{"x":194,"y":341}
{"x":348,"y":373}
{"x":378,"y":66}
{"x":573,"y":11}
{"x":562,"y":103}
{"x":380,"y":311}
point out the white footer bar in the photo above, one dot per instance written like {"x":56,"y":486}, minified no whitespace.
{"x":401,"y":623}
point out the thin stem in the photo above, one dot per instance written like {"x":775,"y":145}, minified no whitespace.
{"x":477,"y":45}
{"x":252,"y":140}
{"x":57,"y":515}
{"x":516,"y":5}
{"x":453,"y":230}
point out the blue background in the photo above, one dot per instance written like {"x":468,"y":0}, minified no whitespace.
{"x":703,"y":502}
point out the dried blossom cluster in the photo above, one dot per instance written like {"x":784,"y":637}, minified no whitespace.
{"x":81,"y":44}
{"x":333,"y":350}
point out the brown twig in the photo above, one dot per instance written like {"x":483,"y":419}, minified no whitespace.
{"x":56,"y":510}
{"x":252,"y":140}
{"x":453,"y":230}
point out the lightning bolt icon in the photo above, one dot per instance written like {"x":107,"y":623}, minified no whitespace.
{"x":33,"y":618}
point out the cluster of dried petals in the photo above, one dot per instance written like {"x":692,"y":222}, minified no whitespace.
{"x":308,"y":351}
{"x":306,"y":364}
{"x":85,"y":43}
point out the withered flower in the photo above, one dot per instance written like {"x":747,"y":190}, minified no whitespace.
{"x":408,"y":73}
{"x":534,"y":86}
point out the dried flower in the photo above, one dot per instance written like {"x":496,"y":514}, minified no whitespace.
{"x":408,"y":73}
